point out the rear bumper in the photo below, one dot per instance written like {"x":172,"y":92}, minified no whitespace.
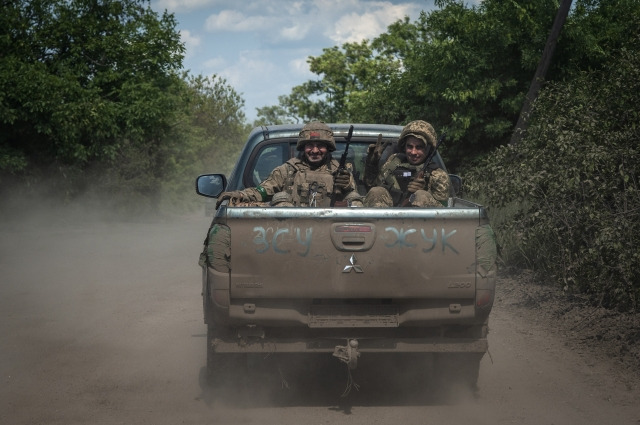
{"x":365,"y":345}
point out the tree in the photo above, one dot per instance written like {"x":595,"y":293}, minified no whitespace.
{"x":541,"y":72}
{"x":346,"y":75}
{"x":462,"y":69}
{"x":276,"y":114}
{"x":595,"y":30}
{"x":217,"y":121}
{"x":207,"y":136}
{"x":572,"y":184}
{"x":467,"y":72}
{"x":83,"y":80}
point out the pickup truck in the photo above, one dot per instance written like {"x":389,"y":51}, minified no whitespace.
{"x":344,"y":281}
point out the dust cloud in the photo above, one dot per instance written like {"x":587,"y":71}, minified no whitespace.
{"x":102,"y":314}
{"x":101,"y":322}
{"x":100,"y":311}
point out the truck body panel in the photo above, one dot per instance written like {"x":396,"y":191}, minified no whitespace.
{"x":343,"y":257}
{"x":301,"y":279}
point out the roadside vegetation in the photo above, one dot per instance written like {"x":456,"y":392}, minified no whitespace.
{"x":566,"y":200}
{"x":95,"y":103}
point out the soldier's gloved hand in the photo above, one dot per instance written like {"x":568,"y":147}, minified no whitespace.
{"x":235,"y":196}
{"x":372,"y":162}
{"x":374,"y":152}
{"x":416,"y":185}
{"x":343,"y":178}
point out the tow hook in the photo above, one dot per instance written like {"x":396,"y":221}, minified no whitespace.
{"x":348,"y":353}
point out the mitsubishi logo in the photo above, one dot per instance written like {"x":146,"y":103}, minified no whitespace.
{"x":353,"y":266}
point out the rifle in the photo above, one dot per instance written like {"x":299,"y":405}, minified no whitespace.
{"x":423,"y":170}
{"x":342,"y":166}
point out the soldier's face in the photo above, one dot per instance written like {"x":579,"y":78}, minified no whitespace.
{"x":315,"y":152}
{"x":416,"y":150}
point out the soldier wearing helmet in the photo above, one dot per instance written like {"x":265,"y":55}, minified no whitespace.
{"x":397,"y":182}
{"x":306,"y":180}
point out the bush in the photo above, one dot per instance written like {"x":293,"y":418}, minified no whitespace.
{"x":566,"y":198}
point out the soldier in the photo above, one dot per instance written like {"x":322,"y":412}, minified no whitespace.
{"x":308,"y":179}
{"x":398,"y":183}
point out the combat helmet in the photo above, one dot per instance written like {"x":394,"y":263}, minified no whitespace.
{"x":316,"y":131}
{"x":420,"y":129}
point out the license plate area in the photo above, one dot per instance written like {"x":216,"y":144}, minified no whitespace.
{"x":353,"y":316}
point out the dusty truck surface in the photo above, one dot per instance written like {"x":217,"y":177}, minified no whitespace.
{"x":344,"y":281}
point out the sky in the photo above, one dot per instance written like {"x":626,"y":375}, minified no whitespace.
{"x":260,"y":47}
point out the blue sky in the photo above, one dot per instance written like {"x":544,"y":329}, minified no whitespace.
{"x":261,"y":46}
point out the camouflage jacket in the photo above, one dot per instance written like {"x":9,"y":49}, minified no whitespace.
{"x":396,"y":173}
{"x":305,"y":185}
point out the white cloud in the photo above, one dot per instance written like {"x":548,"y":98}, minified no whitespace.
{"x":294,"y":32}
{"x":261,"y":47}
{"x":248,"y":69}
{"x":215,"y":63}
{"x":191,"y":42}
{"x":232,"y":20}
{"x":369,"y":23}
{"x":186,"y":5}
{"x":300,"y":68}
{"x":334,"y":21}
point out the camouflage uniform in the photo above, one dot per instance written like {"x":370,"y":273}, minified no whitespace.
{"x":390,"y":184}
{"x":297,"y":183}
{"x":304,"y":185}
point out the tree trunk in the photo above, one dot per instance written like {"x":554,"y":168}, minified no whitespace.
{"x":541,"y":72}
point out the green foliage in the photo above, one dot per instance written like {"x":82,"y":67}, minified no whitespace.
{"x":596,"y":29}
{"x":568,"y":195}
{"x":347,"y":73}
{"x":213,"y":127}
{"x":467,"y":72}
{"x":464,"y":69}
{"x":11,"y":160}
{"x":79,"y":76}
{"x":91,"y":97}
{"x":273,"y":115}
{"x":206,"y":136}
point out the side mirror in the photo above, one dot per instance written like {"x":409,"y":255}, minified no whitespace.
{"x":456,"y":184}
{"x":210,"y":185}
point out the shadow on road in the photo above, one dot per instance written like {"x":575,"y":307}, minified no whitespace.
{"x":322,"y":380}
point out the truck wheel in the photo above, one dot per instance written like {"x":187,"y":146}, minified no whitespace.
{"x":456,"y":372}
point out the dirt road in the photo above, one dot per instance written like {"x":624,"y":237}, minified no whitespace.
{"x":101,"y":323}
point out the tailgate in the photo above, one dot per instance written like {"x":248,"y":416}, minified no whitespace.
{"x":304,"y":253}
